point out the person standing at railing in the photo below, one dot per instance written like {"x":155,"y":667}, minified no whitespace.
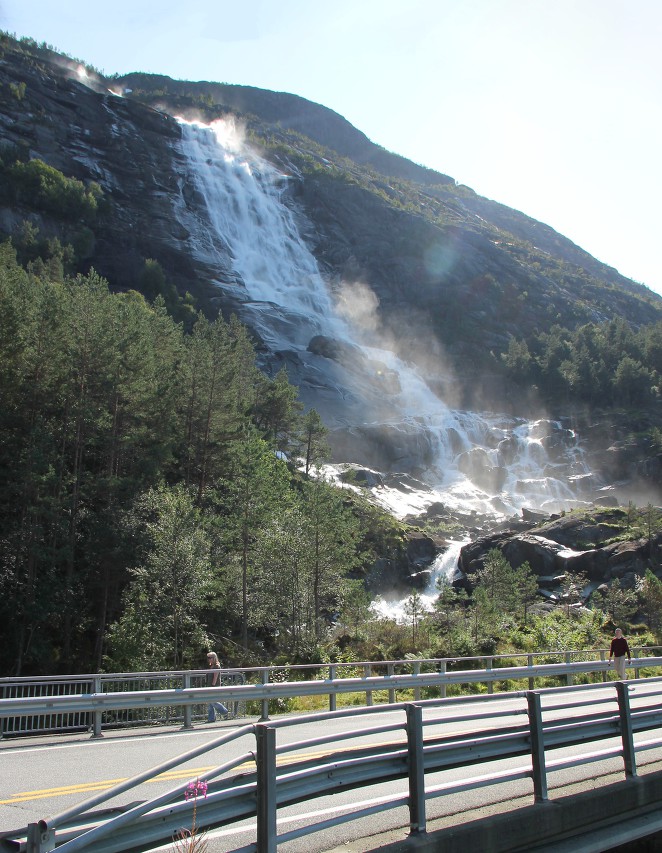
{"x":215,"y":679}
{"x":618,"y":649}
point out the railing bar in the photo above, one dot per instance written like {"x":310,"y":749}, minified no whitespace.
{"x":485,"y":715}
{"x":121,"y":787}
{"x":321,"y":716}
{"x":179,"y":700}
{"x":584,"y":758}
{"x":646,"y":745}
{"x":483,"y":781}
{"x":416,"y":769}
{"x":266,"y":789}
{"x":569,"y":705}
{"x":538,"y":757}
{"x":641,"y":661}
{"x":292,"y":772}
{"x":627,"y":735}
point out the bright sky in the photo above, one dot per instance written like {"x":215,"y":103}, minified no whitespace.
{"x":552,"y":107}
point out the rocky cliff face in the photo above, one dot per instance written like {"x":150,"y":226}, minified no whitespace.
{"x":450,"y":275}
{"x":578,"y":544}
{"x":73,"y":123}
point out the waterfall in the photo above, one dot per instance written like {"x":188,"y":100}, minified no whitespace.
{"x":474,"y":462}
{"x":285,"y":295}
{"x":444,"y":567}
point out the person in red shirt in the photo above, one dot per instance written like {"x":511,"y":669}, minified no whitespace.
{"x":618,"y":649}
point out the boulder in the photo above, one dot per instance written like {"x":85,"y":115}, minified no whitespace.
{"x":408,"y":569}
{"x":551,"y":559}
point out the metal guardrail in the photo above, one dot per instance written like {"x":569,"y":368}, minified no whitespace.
{"x":39,"y":713}
{"x":533,"y":725}
{"x":183,"y":703}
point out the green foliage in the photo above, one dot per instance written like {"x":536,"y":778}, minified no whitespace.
{"x":606,"y":364}
{"x":160,"y":626}
{"x":573,"y":587}
{"x":301,"y":562}
{"x":560,"y":630}
{"x":105,"y":400}
{"x":154,"y":284}
{"x":414,"y":610}
{"x":649,"y":593}
{"x":255,"y":488}
{"x":18,"y":90}
{"x":618,"y":602}
{"x":276,"y":410}
{"x":312,"y":444}
{"x":41,"y":186}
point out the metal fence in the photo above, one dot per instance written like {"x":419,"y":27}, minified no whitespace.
{"x":95,"y":702}
{"x":599,"y":721}
{"x":47,"y":719}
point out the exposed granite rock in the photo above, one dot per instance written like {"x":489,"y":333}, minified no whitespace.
{"x":562,"y":545}
{"x":409,"y":569}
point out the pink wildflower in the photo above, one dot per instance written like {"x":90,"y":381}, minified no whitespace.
{"x":193,"y":789}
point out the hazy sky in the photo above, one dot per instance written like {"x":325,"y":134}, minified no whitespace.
{"x":553,"y":107}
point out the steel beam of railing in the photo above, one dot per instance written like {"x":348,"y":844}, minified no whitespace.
{"x":97,"y":703}
{"x":103,"y":701}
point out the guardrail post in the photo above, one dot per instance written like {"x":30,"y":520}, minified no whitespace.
{"x":635,"y":655}
{"x":97,"y":715}
{"x":417,"y":689}
{"x":332,"y":696}
{"x":266,"y":789}
{"x":529,"y":663}
{"x":188,"y":709}
{"x":442,"y":671}
{"x":568,"y":679}
{"x":390,"y":670}
{"x":265,"y":702}
{"x":604,"y":671}
{"x":38,"y":841}
{"x":416,"y":769}
{"x":538,"y":769}
{"x":629,"y":755}
{"x":367,"y":672}
{"x":488,"y":668}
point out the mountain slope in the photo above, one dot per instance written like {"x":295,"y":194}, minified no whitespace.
{"x":449,"y":276}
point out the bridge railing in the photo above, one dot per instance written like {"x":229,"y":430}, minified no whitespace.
{"x":421,"y":745}
{"x":59,"y":718}
{"x":95,"y":702}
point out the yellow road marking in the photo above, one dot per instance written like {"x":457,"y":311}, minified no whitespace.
{"x":84,"y":787}
{"x":185,"y":773}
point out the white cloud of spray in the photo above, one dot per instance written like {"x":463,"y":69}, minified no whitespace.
{"x":357,"y":304}
{"x":230,"y":133}
{"x":409,"y":338}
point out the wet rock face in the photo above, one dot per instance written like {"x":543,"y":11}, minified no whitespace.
{"x":407,"y":570}
{"x":149,"y":208}
{"x":563,"y":545}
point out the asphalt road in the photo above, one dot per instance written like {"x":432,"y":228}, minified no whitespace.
{"x":43,"y":777}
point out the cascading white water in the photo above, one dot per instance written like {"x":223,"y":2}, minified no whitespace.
{"x":243,"y":199}
{"x":479,"y":462}
{"x":444,"y":567}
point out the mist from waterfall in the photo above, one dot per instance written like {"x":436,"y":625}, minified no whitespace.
{"x":488,"y":463}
